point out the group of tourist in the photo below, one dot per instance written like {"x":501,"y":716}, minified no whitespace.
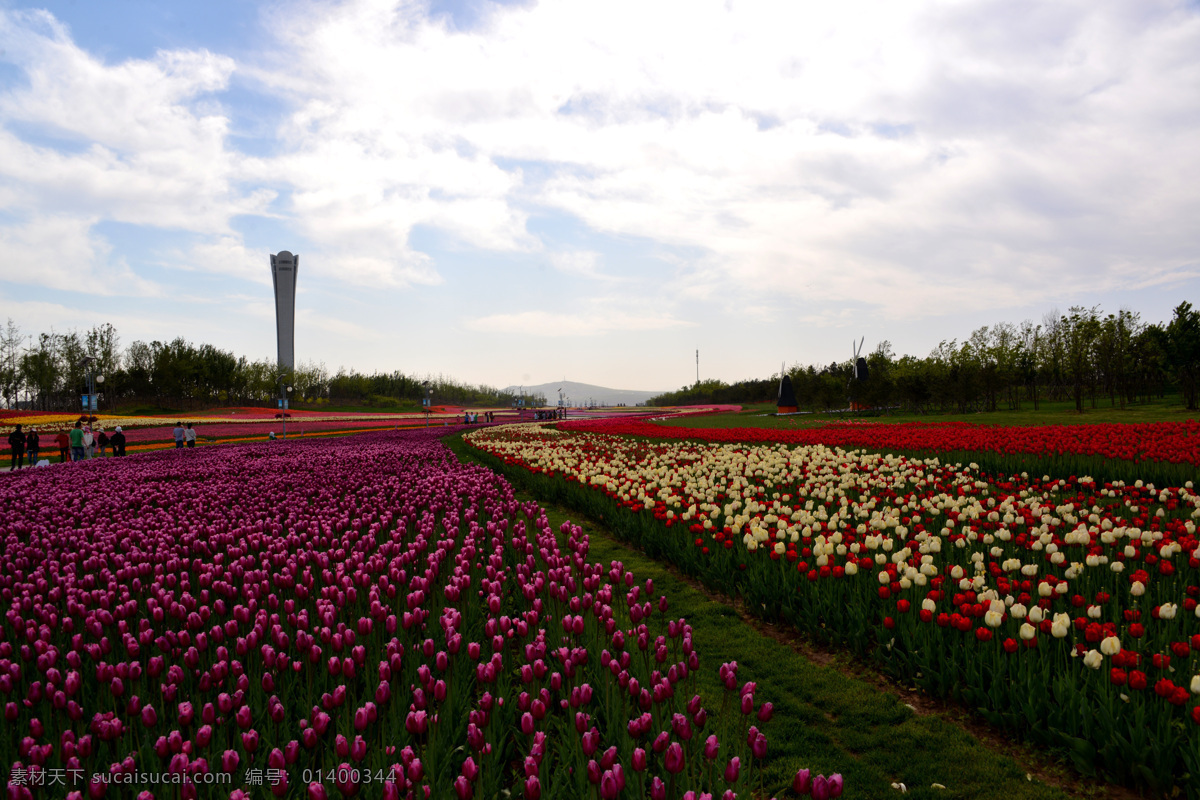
{"x":185,"y":436}
{"x":80,"y":444}
{"x":550,"y":413}
{"x":470,"y":418}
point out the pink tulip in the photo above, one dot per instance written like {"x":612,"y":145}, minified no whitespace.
{"x":533,"y":788}
{"x":711,"y":747}
{"x":820,"y":788}
{"x":204,"y":735}
{"x":732,"y":769}
{"x":316,"y":791}
{"x":344,"y":781}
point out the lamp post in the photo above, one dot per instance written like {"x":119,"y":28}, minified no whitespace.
{"x":283,"y":400}
{"x":100,"y":382}
{"x":427,"y":400}
{"x":92,"y":378}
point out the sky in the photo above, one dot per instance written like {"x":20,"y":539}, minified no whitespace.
{"x":520,"y":192}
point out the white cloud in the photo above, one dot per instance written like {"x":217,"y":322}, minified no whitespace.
{"x":596,"y":317}
{"x":919,"y":154}
{"x":84,"y":141}
{"x":61,"y":253}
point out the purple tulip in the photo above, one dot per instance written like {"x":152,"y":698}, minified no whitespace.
{"x":711,"y":747}
{"x":638,"y":762}
{"x":609,"y":788}
{"x":820,"y":788}
{"x":759,"y":747}
{"x":533,"y":788}
{"x":673,"y":760}
{"x":733,"y":769}
{"x":802,"y":783}
{"x":463,"y":788}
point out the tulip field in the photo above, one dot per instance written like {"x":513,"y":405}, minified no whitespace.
{"x":361,"y":617}
{"x":1061,"y":608}
{"x":1165,"y":452}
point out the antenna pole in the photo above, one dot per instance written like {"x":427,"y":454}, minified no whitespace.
{"x":697,"y":367}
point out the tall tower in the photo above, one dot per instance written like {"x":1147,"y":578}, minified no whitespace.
{"x":283,"y":274}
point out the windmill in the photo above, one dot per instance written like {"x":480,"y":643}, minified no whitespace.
{"x":859,"y":375}
{"x":786,"y":404}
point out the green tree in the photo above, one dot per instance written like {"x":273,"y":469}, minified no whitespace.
{"x":1183,"y":350}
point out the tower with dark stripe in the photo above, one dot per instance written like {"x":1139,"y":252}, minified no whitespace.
{"x":283,"y":275}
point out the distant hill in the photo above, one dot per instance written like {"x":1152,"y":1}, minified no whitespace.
{"x":580,"y":394}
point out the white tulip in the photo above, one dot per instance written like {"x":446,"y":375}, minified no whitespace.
{"x":1167,"y":611}
{"x":1093,"y":659}
{"x":1028,"y":631}
{"x":1138,"y":589}
{"x":1110,"y":645}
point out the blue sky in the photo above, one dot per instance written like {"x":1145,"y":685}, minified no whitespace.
{"x":520,"y":192}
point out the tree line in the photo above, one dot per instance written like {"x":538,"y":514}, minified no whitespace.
{"x":51,"y":371}
{"x":1084,"y":356}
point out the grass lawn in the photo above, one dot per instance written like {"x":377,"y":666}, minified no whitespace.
{"x":1170,"y":409}
{"x":834,"y":716}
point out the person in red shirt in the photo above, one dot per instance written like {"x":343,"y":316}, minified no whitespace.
{"x":64,"y":446}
